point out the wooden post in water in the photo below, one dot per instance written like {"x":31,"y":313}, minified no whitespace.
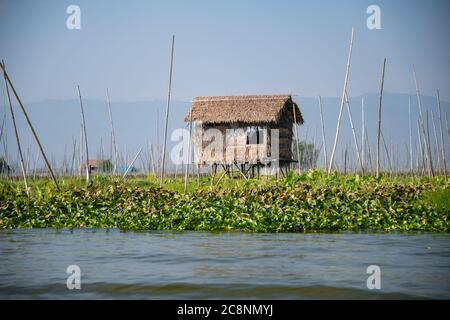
{"x":5,"y":74}
{"x":379,"y":119}
{"x":19,"y":148}
{"x":83,"y":123}
{"x":161,"y":182}
{"x":336,"y":137}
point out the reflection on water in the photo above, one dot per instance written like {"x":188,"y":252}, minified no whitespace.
{"x":202,"y":265}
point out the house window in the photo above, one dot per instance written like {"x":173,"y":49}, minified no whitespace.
{"x":254,"y":135}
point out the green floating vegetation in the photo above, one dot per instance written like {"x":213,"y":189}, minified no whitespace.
{"x":310,"y":202}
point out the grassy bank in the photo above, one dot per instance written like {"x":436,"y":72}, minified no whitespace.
{"x":310,"y":202}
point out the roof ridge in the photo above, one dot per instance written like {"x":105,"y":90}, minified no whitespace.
{"x":242,"y":97}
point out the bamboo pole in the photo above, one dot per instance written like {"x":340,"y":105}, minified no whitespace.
{"x":113,"y":133}
{"x":442,"y":134}
{"x":72,"y":164}
{"x":5,"y":74}
{"x":369,"y":153}
{"x":387,"y":154}
{"x":161,"y":182}
{"x":131,"y":164}
{"x":83,"y":123}
{"x":354,"y":134}
{"x":189,"y":152}
{"x":36,"y":160}
{"x":439,"y":163}
{"x":152,"y":156}
{"x":80,"y":153}
{"x":427,"y":138}
{"x":3,"y":127}
{"x":363,"y":124}
{"x":5,"y":133}
{"x":426,"y":146}
{"x":421,"y":147}
{"x":344,"y":90}
{"x":323,"y":133}
{"x":16,"y":134}
{"x":296,"y":139}
{"x":27,"y":159}
{"x":379,"y":118}
{"x":410,"y":136}
{"x":446,"y":124}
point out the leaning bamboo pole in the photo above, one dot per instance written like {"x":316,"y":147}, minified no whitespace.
{"x":323,"y":133}
{"x":131,"y":164}
{"x":424,"y":136}
{"x":16,"y":134}
{"x":5,"y":74}
{"x":83,"y":123}
{"x":113,"y":134}
{"x":161,"y":182}
{"x":5,"y":134}
{"x":3,"y":127}
{"x":354,"y":134}
{"x":344,"y":90}
{"x":442,"y":134}
{"x":379,"y":118}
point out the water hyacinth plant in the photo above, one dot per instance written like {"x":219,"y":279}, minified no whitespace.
{"x":312,"y":201}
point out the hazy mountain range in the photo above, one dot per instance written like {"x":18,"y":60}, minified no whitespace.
{"x":141,"y":123}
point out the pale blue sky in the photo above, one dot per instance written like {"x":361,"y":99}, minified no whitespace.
{"x":222,"y":47}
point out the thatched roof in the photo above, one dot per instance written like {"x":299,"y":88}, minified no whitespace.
{"x":254,"y":109}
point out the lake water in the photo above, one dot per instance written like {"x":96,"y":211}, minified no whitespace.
{"x":203,"y":265}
